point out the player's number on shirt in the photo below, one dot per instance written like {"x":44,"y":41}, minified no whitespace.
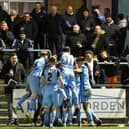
{"x":49,"y":77}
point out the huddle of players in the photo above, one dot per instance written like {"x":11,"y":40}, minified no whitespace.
{"x":57,"y":88}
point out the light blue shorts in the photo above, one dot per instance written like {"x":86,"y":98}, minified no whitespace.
{"x":84,"y":98}
{"x":68,"y":78}
{"x":50,"y":99}
{"x":33,"y":84}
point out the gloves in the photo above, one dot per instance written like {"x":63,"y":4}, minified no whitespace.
{"x":88,"y":92}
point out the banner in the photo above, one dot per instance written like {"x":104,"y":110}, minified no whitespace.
{"x":106,"y":103}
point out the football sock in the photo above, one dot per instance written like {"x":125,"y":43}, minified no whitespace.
{"x":32,"y":104}
{"x":22,"y":99}
{"x":78,"y":116}
{"x":94,"y":115}
{"x":89,"y":115}
{"x":65,"y":116}
{"x":45,"y":117}
{"x":52,"y":117}
{"x":70,"y":116}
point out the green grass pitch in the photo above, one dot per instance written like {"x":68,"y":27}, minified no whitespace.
{"x":84,"y":127}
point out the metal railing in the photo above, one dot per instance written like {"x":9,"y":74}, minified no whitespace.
{"x":119,"y":85}
{"x":111,"y":63}
{"x":30,"y":50}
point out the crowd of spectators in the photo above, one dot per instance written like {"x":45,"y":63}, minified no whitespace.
{"x":38,"y":29}
{"x":100,"y":39}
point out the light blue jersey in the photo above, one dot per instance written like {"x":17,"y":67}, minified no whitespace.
{"x":33,"y":80}
{"x":84,"y":83}
{"x":77,"y":79}
{"x":51,"y":74}
{"x":67,"y":61}
{"x":38,"y":67}
{"x":33,"y":84}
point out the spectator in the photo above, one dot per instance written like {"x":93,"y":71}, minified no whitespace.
{"x":54,"y":30}
{"x":29,"y":26}
{"x":3,"y":14}
{"x":39,"y":15}
{"x":13,"y":22}
{"x":110,"y":67}
{"x":6,"y":35}
{"x":87,"y":25}
{"x":122,"y":24}
{"x":76,"y":41}
{"x":112,"y":35}
{"x":12,"y":72}
{"x":2,"y":46}
{"x":24,"y":47}
{"x":98,"y":42}
{"x":68,"y":20}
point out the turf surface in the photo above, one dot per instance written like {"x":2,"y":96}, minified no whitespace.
{"x":84,"y":127}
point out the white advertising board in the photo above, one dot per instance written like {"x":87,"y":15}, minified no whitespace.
{"x":106,"y":103}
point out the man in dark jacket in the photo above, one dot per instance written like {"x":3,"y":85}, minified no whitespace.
{"x":3,"y":14}
{"x":110,"y":67}
{"x":13,"y":73}
{"x":87,"y":25}
{"x":76,"y":41}
{"x":14,"y":21}
{"x":6,"y":35}
{"x":98,"y":42}
{"x":112,"y":35}
{"x":29,"y":26}
{"x":39,"y":15}
{"x":24,"y":47}
{"x":68,"y":20}
{"x":54,"y":30}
